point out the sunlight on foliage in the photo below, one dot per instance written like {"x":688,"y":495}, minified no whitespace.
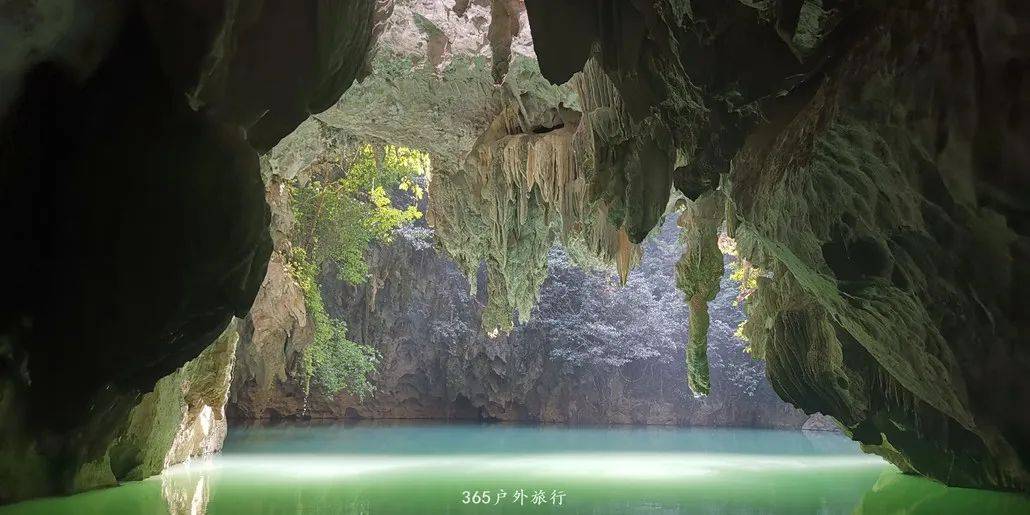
{"x":338,"y":216}
{"x":746,"y":274}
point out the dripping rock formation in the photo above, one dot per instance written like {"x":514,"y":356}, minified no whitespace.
{"x":875,"y":161}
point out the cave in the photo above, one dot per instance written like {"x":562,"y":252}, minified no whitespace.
{"x":575,"y":224}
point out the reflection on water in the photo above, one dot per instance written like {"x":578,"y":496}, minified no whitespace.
{"x":898,"y":493}
{"x":428,"y":469}
{"x":185,"y":488}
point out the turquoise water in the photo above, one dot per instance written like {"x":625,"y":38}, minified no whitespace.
{"x":388,"y":469}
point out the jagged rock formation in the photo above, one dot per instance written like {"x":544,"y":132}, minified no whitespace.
{"x":876,"y":162}
{"x":129,"y":142}
{"x":697,"y":274}
{"x":523,"y":187}
{"x":438,"y":362}
{"x":275,"y":333}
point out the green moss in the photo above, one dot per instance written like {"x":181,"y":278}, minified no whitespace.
{"x":697,"y":350}
{"x":338,"y":215}
{"x":508,"y":206}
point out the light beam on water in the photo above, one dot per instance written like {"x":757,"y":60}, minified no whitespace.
{"x":398,"y":469}
{"x":621,"y":466}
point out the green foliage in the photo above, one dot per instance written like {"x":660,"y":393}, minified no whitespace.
{"x":746,"y":275}
{"x":332,"y":362}
{"x":338,"y":217}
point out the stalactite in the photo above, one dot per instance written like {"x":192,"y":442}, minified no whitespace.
{"x":521,"y":191}
{"x":504,"y":26}
{"x":697,"y":275}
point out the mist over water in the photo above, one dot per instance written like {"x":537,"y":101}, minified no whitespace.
{"x":455,"y":468}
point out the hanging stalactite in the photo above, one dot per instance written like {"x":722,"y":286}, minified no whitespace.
{"x":697,"y":274}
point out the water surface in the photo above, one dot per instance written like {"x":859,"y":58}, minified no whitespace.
{"x":406,"y":468}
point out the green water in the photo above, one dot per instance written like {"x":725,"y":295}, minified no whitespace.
{"x":388,"y":469}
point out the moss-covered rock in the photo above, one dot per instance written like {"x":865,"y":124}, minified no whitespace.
{"x":183,"y":417}
{"x":697,"y":274}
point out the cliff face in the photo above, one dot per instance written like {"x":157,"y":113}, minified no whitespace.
{"x":277,"y":329}
{"x":438,"y":362}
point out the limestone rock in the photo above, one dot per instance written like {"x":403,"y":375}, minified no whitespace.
{"x":183,"y":417}
{"x":273,"y":337}
{"x":877,"y":165}
{"x":439,"y":363}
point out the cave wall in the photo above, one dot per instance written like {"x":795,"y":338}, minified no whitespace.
{"x":181,"y":417}
{"x":875,"y":159}
{"x":129,"y":151}
{"x":919,"y":251}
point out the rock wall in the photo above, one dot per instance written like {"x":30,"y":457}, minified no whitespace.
{"x":183,"y":417}
{"x":273,"y":337}
{"x":438,"y":363}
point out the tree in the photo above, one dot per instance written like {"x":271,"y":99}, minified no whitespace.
{"x":589,"y":319}
{"x":338,"y":214}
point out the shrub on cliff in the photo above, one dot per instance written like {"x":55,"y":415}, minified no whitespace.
{"x":338,"y":215}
